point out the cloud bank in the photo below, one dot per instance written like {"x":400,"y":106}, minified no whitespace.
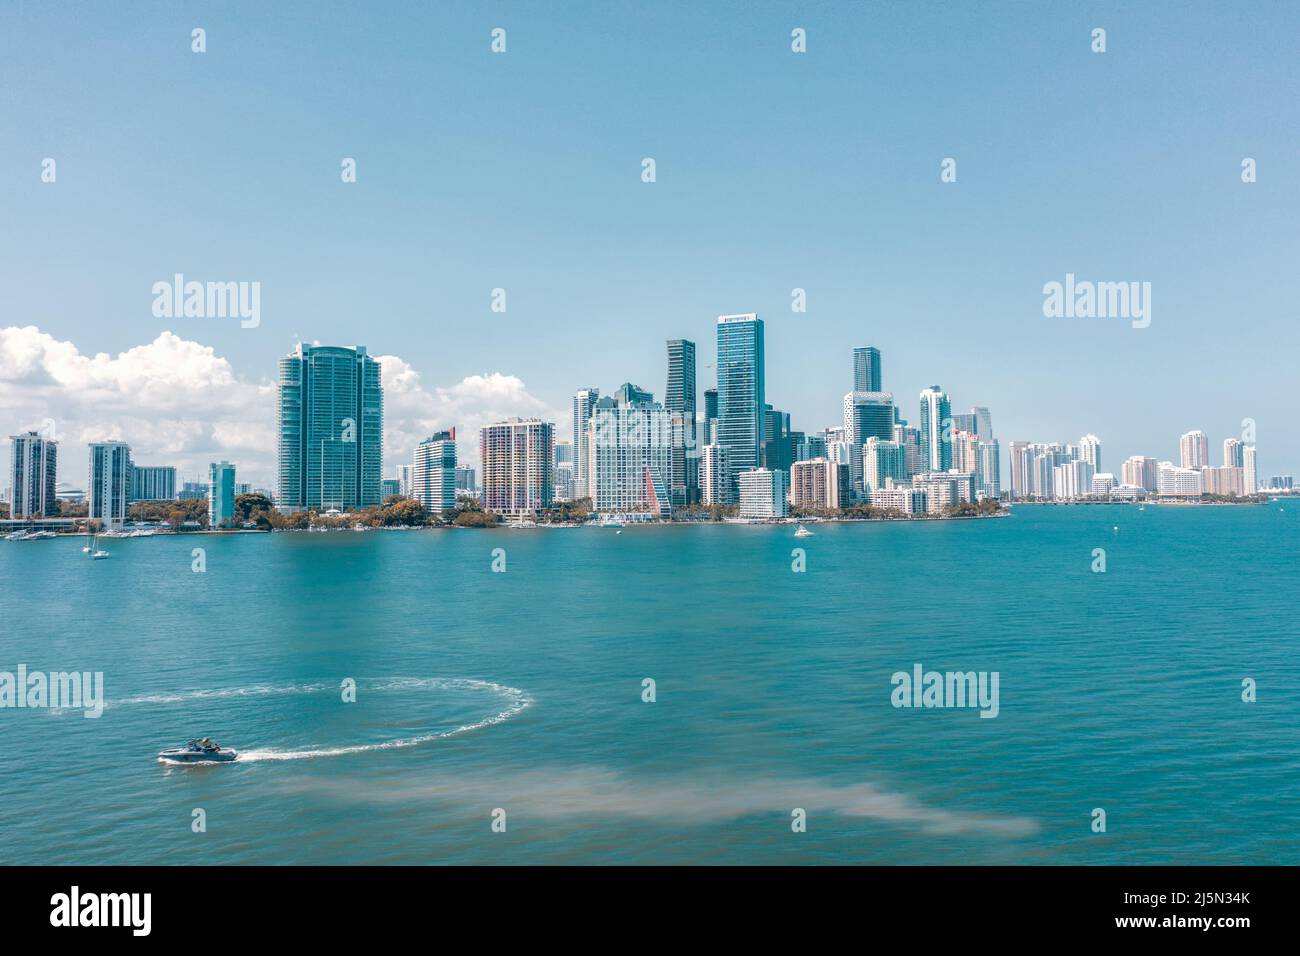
{"x":177,"y":402}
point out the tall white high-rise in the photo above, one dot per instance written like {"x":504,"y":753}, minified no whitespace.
{"x":936,"y":434}
{"x":629,"y":454}
{"x":1249,"y":475}
{"x":882,"y":461}
{"x":433,"y":473}
{"x":109,"y":482}
{"x":1194,"y":449}
{"x":583,"y":402}
{"x":1090,"y":451}
{"x":33,"y":471}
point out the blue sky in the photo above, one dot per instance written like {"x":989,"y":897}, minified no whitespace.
{"x":774,"y":171}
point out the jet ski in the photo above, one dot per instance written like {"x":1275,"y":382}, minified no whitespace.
{"x":202,"y":750}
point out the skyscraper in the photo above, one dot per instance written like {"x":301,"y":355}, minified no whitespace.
{"x":680,"y":394}
{"x":221,"y":493}
{"x":741,"y":392}
{"x":1140,"y":471}
{"x":583,"y":402}
{"x":516,"y":456}
{"x":331,"y":423}
{"x":715,"y":476}
{"x":109,"y":479}
{"x":936,"y":424}
{"x":679,"y":402}
{"x":881,"y":461}
{"x":1249,"y":472}
{"x":866,"y":369}
{"x":1194,"y":450}
{"x":983,"y":422}
{"x":1090,"y":451}
{"x":1234,"y":452}
{"x":34,"y":463}
{"x":433,"y":473}
{"x":988,"y":475}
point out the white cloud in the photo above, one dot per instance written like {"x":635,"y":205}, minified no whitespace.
{"x":179,"y":403}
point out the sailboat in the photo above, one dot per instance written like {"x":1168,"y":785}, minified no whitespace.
{"x":96,"y":553}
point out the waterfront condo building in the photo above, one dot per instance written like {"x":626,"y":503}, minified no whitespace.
{"x":221,"y":493}
{"x":762,"y":493}
{"x":715,"y":476}
{"x":819,"y":484}
{"x":109,"y":474}
{"x":433,"y":475}
{"x":516,"y":456}
{"x":331,"y":428}
{"x":33,"y":473}
{"x":629,"y":456}
{"x":153,"y":483}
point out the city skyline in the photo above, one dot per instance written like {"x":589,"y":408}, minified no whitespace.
{"x":845,"y":205}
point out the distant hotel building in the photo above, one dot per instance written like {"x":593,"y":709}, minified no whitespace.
{"x":465,"y":481}
{"x":153,"y":483}
{"x":1142,"y":472}
{"x":901,"y":498}
{"x":110,"y":476}
{"x":741,"y":390}
{"x":516,"y":456}
{"x":762,"y":493}
{"x":331,"y":425}
{"x":433,"y":476}
{"x":1175,"y":482}
{"x":1249,"y":474}
{"x":221,"y":493}
{"x":33,"y":474}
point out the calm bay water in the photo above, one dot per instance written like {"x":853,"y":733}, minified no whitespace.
{"x":522,"y":691}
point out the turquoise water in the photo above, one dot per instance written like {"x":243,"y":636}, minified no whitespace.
{"x":522,"y":691}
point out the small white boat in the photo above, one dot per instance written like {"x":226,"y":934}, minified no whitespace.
{"x":99,"y":555}
{"x":803,"y":532}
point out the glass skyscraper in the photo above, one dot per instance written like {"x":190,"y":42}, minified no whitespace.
{"x":331,"y":424}
{"x":936,"y":429}
{"x":866,"y":369}
{"x":679,"y":402}
{"x":741,"y":398}
{"x":110,"y":473}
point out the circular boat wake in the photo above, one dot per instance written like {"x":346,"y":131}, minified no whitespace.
{"x":511,"y":701}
